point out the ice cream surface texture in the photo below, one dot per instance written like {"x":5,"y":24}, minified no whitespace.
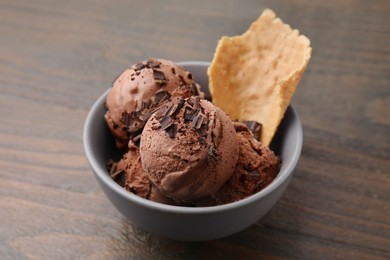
{"x":189,"y":148}
{"x":140,"y":89}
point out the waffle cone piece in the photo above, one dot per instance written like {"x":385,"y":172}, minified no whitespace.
{"x":253,"y":76}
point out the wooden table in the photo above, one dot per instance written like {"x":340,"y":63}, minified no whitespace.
{"x":57,"y":58}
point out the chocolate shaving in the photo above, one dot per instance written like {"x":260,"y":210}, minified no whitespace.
{"x":153,"y":63}
{"x":139,"y":66}
{"x":197,"y":121}
{"x":174,"y":111}
{"x":112,"y":169}
{"x":137,"y":138}
{"x":148,"y":103}
{"x":194,"y":121}
{"x":148,"y":113}
{"x":139,"y":105}
{"x":196,"y":102}
{"x":158,"y":75}
{"x":189,"y":76}
{"x":173,"y":70}
{"x":190,"y":114}
{"x":189,"y":101}
{"x":171,"y":130}
{"x":181,"y":103}
{"x":167,"y":109}
{"x":125,"y":118}
{"x":119,"y":177}
{"x":255,"y":128}
{"x":141,"y":115}
{"x":182,"y":81}
{"x":202,"y":131}
{"x":194,"y":90}
{"x":206,"y":122}
{"x":165,"y":122}
{"x":213,"y":152}
{"x":161,"y":95}
{"x":117,"y":174}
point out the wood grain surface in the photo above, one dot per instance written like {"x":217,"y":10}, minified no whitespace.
{"x":58,"y":57}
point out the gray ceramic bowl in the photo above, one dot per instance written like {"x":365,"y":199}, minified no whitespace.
{"x":188,"y":223}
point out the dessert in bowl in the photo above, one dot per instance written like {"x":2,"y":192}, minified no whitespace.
{"x":181,"y":222}
{"x":189,"y":169}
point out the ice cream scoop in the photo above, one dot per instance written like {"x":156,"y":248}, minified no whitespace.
{"x":189,"y":149}
{"x":128,"y":172}
{"x":139,"y":90}
{"x":256,"y":168}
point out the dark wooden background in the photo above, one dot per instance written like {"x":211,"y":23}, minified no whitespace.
{"x":57,"y":57}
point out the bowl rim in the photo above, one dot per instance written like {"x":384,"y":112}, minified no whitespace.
{"x":102,"y":174}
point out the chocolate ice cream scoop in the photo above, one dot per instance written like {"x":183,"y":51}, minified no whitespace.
{"x":189,"y":149}
{"x":139,"y":90}
{"x":256,"y":168}
{"x":128,"y":173}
